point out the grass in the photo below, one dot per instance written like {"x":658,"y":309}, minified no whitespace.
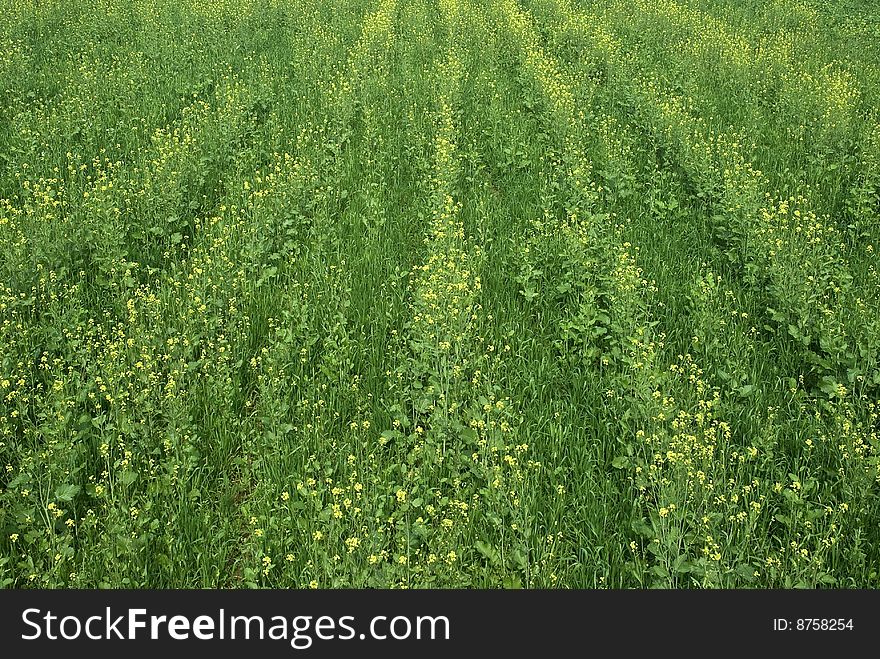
{"x":465,"y":293}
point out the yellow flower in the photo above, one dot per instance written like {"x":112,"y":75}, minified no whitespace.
{"x":401,"y":496}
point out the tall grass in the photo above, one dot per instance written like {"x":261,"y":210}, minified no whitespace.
{"x":454,"y":293}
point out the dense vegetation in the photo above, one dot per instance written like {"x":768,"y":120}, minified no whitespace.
{"x":439,"y":293}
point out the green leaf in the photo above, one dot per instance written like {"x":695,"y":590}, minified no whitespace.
{"x":746,"y":572}
{"x":828,"y":385}
{"x":66,"y":492}
{"x":642,"y":528}
{"x":512,"y":582}
{"x":747,"y":390}
{"x":487,"y":551}
{"x":682,"y":565}
{"x":620,"y":462}
{"x":390,"y":434}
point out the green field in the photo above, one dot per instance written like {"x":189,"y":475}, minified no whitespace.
{"x":439,"y":293}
